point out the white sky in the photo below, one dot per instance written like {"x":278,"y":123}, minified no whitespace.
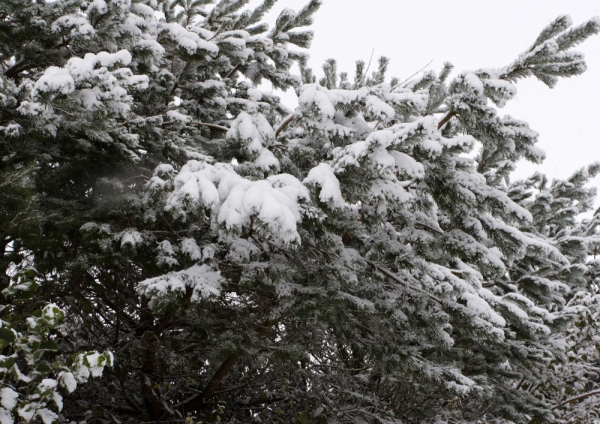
{"x":472,"y":34}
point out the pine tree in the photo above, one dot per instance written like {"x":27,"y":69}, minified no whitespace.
{"x":352,"y":260}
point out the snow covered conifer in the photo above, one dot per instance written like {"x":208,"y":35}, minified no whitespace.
{"x":346,"y":261}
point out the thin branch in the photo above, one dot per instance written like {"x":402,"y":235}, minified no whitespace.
{"x":65,"y":43}
{"x":395,"y":278}
{"x":204,"y":124}
{"x":362,"y":78}
{"x":187,"y":64}
{"x":435,"y":230}
{"x":15,"y":69}
{"x":63,"y":111}
{"x":233,"y":71}
{"x":575,"y":398}
{"x":136,"y":177}
{"x":218,"y":31}
{"x":284,"y":124}
{"x":407,"y":79}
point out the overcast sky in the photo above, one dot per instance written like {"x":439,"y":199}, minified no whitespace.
{"x":473,"y":34}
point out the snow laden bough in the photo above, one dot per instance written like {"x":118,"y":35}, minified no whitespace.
{"x":382,"y":181}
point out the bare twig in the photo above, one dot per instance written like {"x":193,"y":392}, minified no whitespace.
{"x":362,"y":78}
{"x":407,"y":79}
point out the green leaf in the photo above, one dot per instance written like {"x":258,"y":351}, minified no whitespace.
{"x":15,"y":319}
{"x":30,"y":273}
{"x":87,"y":308}
{"x":27,"y":293}
{"x":7,"y":335}
{"x":304,"y":418}
{"x":8,"y":362}
{"x":43,"y":367}
{"x":49,"y":345}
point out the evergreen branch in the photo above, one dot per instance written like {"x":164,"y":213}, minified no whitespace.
{"x":260,"y":11}
{"x":559,"y":25}
{"x":23,"y":65}
{"x":187,"y":64}
{"x":445,"y":72}
{"x":578,"y":34}
{"x":304,"y":17}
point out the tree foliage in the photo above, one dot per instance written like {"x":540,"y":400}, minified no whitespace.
{"x":364,"y":257}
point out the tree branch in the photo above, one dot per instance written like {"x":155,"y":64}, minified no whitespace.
{"x":446,"y":118}
{"x":435,"y":230}
{"x":575,"y":398}
{"x":211,"y":387}
{"x":204,"y":124}
{"x":233,"y":71}
{"x":395,"y":278}
{"x":22,"y":64}
{"x":18,"y":67}
{"x":285,"y":123}
{"x":400,"y":83}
